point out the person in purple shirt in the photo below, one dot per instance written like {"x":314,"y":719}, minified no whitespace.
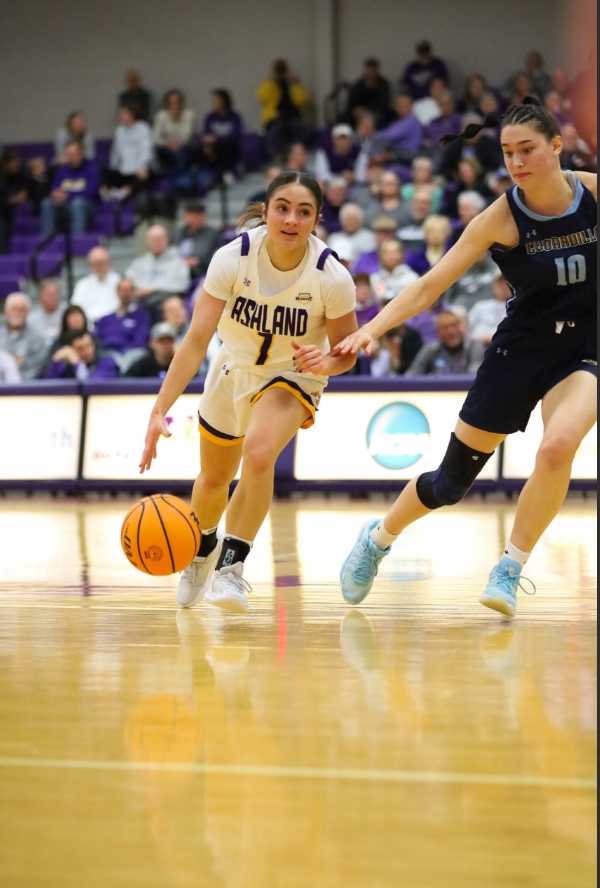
{"x":384,"y":229}
{"x":405,"y":135}
{"x":336,"y":195}
{"x":124,"y":334}
{"x":79,"y":359}
{"x":222,"y":133}
{"x":418,"y":75}
{"x":449,"y":121}
{"x":74,"y":193}
{"x":366,"y":303}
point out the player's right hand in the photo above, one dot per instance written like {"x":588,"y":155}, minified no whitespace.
{"x":353,"y":343}
{"x":156,"y":427}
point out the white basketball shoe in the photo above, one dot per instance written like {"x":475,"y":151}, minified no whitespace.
{"x":195,"y":579}
{"x":229,"y":590}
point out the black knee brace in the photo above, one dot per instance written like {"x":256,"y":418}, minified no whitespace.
{"x":452,"y":481}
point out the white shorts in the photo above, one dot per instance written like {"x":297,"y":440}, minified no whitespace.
{"x":230,"y":392}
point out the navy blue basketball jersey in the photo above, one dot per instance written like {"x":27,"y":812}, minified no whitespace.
{"x":552,"y":270}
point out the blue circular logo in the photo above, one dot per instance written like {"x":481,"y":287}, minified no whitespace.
{"x":398,"y":435}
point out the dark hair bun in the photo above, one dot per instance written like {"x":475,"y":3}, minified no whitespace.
{"x":531,"y":100}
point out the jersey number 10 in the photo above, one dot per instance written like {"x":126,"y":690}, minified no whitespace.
{"x":575,"y":267}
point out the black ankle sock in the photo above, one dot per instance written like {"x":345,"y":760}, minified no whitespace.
{"x":233,"y":550}
{"x":207,"y":543}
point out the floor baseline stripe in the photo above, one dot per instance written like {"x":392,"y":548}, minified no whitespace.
{"x":308,"y":773}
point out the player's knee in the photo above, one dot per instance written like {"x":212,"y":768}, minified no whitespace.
{"x":257,"y":456}
{"x":450,"y":483}
{"x":557,"y":450}
{"x":215,"y":478}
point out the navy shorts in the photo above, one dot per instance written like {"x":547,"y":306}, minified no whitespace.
{"x":522,"y":364}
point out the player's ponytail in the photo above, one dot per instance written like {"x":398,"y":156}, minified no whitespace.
{"x":531,"y":112}
{"x":253,"y":214}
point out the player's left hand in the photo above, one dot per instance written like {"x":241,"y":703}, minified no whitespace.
{"x":308,"y":359}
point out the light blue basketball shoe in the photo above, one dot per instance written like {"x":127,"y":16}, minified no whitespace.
{"x":501,"y":591}
{"x":361,"y":566}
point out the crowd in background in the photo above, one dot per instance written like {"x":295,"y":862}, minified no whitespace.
{"x":395,"y":202}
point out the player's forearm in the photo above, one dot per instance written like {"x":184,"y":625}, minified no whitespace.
{"x":407,"y":304}
{"x":335,"y":365}
{"x":184,"y":367}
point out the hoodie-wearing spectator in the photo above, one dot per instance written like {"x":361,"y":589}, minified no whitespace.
{"x":9,"y":369}
{"x":157,"y":359}
{"x":174,"y":128}
{"x":283,"y":99}
{"x":197,"y":242}
{"x":79,"y":359}
{"x":371,"y":93}
{"x":452,"y":354}
{"x":135,"y":95}
{"x":46,"y":318}
{"x":404,"y":136}
{"x":426,"y":67}
{"x":16,"y":337}
{"x":74,"y":130}
{"x":131,"y":154}
{"x":485,"y":316}
{"x":222,"y":133}
{"x":353,"y":239}
{"x":124,"y":334}
{"x":475,"y":285}
{"x":96,"y":294}
{"x":159,"y":272}
{"x":75,"y":191}
{"x":340,"y":158}
{"x":394,"y":275}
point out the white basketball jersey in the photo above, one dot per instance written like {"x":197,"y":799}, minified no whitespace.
{"x":257,"y":331}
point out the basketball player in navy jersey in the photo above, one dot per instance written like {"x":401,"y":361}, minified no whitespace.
{"x":543,"y":235}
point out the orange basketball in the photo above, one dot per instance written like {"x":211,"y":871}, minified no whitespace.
{"x":160,"y":535}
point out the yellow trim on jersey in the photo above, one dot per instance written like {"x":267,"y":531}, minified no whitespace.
{"x":298,"y":393}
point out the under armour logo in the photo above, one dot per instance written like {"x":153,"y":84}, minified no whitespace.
{"x":501,"y":351}
{"x":532,"y":233}
{"x":474,"y":458}
{"x":247,"y":282}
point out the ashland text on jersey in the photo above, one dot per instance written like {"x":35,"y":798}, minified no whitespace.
{"x":278,"y":319}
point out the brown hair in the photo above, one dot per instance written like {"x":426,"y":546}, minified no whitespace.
{"x":254,"y":211}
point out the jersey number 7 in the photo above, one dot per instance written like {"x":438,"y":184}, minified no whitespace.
{"x":265,"y":348}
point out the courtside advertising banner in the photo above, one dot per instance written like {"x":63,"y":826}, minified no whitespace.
{"x":375,"y":436}
{"x":40,"y":438}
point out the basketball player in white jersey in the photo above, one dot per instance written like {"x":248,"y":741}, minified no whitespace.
{"x":280,"y":301}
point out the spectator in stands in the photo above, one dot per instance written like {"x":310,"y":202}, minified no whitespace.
{"x":353,"y":239}
{"x":426,"y":67}
{"x":296,"y":158}
{"x":175,"y":313}
{"x":475,"y":89}
{"x":428,"y":108}
{"x":387,"y":202}
{"x":412,"y":217}
{"x":340,"y":158}
{"x":367,"y":306}
{"x":222,"y":133}
{"x":74,"y":196}
{"x":423,"y":177}
{"x":436,"y":230}
{"x":561,"y":85}
{"x":124,"y":334}
{"x":174,"y":127}
{"x":554,"y":103}
{"x":158,"y":357}
{"x":159,"y":273}
{"x":17,"y":338}
{"x":39,"y":183}
{"x":498,"y":182}
{"x":448,"y":121}
{"x":426,"y":321}
{"x":336,"y":195}
{"x":46,"y":318}
{"x":371,"y":147}
{"x":272,"y":171}
{"x":470,"y":204}
{"x":371,"y":93}
{"x":485,"y":148}
{"x":283,"y":99}
{"x":80,"y":359}
{"x":475,"y":285}
{"x":73,"y":319}
{"x":74,"y":130}
{"x":486,"y":315}
{"x":9,"y":369}
{"x":521,"y":87}
{"x":575,"y":154}
{"x":197,"y":242}
{"x":13,"y":177}
{"x":131,"y":154}
{"x":394,"y":274}
{"x":384,"y":229}
{"x":136,"y":96}
{"x":399,"y":348}
{"x":96,"y":294}
{"x":404,"y":136}
{"x":469,"y":177}
{"x":541,"y":79}
{"x":452,"y":354}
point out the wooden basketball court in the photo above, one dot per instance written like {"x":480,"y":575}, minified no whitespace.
{"x":417,"y":742}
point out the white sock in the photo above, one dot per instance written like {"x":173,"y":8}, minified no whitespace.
{"x":380,"y":536}
{"x":512,"y":552}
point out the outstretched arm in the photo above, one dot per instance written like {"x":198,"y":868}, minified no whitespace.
{"x":492,"y":225}
{"x":184,"y":366}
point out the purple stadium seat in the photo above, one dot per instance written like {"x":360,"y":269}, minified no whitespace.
{"x":10,"y":265}
{"x":23,"y":212}
{"x":82,"y":244}
{"x":27,"y":226}
{"x":27,"y":150}
{"x":253,"y":151}
{"x":9,"y":283}
{"x":103,"y":147}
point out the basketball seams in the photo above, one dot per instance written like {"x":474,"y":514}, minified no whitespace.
{"x":187,"y":520}
{"x":164,"y":530}
{"x":139,"y":527}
